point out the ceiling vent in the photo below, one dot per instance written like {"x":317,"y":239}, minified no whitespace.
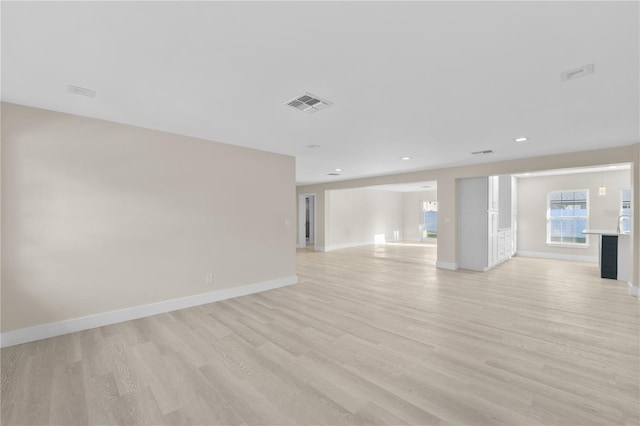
{"x":308,"y":103}
{"x":82,"y":91}
{"x":333,"y":174}
{"x":577,"y":72}
{"x":485,"y":152}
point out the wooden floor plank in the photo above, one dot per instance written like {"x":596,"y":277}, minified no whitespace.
{"x":372,"y":335}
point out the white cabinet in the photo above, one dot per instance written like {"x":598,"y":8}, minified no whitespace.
{"x":482,"y":244}
{"x":504,"y":201}
{"x":504,"y":245}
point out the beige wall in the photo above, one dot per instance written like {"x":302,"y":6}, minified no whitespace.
{"x":355,"y":216}
{"x":412,"y":213}
{"x":532,"y":209}
{"x":635,"y":224}
{"x":98,"y":216}
{"x":446,"y":178}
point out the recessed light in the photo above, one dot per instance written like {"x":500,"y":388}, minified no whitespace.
{"x":520,"y":140}
{"x":82,"y":91}
{"x":338,"y":170}
{"x":406,"y":158}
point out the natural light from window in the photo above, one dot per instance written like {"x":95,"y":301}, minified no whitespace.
{"x":567,"y":216}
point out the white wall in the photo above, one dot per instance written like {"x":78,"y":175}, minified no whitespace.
{"x":99,"y":216}
{"x":412,"y":213}
{"x":532,"y":210}
{"x":357,"y":215}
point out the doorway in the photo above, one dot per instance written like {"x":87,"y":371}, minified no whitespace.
{"x":306,"y":220}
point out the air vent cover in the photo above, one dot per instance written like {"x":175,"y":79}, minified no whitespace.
{"x":308,"y":103}
{"x":485,"y":152}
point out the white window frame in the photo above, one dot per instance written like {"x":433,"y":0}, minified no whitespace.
{"x":562,"y":244}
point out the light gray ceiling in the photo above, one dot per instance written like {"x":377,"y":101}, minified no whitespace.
{"x":430,"y":80}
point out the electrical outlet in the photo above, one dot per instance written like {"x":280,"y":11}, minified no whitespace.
{"x":208,"y":278}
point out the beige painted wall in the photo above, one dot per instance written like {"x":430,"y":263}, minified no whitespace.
{"x":532,"y":208}
{"x":98,"y":216}
{"x":412,"y":213}
{"x":357,"y":215}
{"x":446,"y":178}
{"x":635,"y":224}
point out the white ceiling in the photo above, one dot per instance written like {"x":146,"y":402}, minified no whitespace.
{"x":430,"y":80}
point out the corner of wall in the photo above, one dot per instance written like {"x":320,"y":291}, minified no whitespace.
{"x":633,"y":290}
{"x":452,"y":266}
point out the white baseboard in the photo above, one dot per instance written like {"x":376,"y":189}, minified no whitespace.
{"x":453,"y":266}
{"x":557,"y":256}
{"x":633,"y":290}
{"x":45,"y":331}
{"x":348,"y":245}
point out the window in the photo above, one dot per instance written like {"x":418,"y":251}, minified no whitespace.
{"x":625,"y":223}
{"x":429,"y":219}
{"x":567,"y":216}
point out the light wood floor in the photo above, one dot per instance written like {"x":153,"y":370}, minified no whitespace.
{"x":370,"y":335}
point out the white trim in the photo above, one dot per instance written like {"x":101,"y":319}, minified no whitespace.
{"x":45,"y":331}
{"x":570,"y":245}
{"x":349,"y":245}
{"x":302,"y":241}
{"x":453,"y":266}
{"x":557,"y":256}
{"x":633,"y":290}
{"x":412,"y":240}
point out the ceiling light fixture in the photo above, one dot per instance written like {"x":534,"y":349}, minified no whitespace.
{"x":406,"y":158}
{"x":520,"y":140}
{"x":603,"y":189}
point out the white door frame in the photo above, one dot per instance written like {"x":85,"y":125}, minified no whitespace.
{"x":302,"y":209}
